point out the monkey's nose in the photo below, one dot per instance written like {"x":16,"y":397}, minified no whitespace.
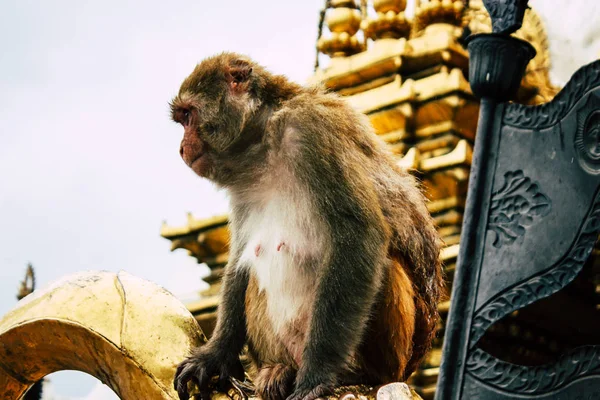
{"x":181,"y":151}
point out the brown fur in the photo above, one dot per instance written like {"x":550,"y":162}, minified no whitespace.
{"x":368,"y":255}
{"x":264,"y":347}
{"x":396,"y":339}
{"x":388,"y":343}
{"x":275,"y":381}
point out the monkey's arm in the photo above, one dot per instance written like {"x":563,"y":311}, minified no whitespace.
{"x":353,"y":267}
{"x":230,"y":329}
{"x":220,"y":356}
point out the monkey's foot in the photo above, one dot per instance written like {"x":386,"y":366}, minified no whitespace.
{"x":275,"y":382}
{"x":317,"y":392}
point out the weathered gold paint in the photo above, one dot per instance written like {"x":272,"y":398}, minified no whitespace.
{"x":125,"y":331}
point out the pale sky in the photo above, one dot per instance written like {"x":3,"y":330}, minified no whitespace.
{"x":89,"y":163}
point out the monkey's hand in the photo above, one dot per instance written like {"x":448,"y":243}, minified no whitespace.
{"x":311,"y":389}
{"x":204,"y":364}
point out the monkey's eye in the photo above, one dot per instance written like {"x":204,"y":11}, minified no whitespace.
{"x":210,"y":129}
{"x":185,"y":117}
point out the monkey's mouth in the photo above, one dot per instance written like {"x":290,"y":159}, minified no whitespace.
{"x":200,"y":163}
{"x":197,"y":159}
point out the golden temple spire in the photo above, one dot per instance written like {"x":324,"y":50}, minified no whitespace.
{"x":343,"y":21}
{"x":390,"y":22}
{"x":428,"y":12}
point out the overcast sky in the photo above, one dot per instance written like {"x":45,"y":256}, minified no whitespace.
{"x":89,"y":164}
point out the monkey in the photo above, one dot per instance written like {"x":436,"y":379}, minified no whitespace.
{"x":334,"y":273}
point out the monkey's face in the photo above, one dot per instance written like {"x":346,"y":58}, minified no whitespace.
{"x":213,"y":106}
{"x":199,"y":131}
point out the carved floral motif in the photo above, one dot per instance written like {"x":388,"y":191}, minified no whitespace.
{"x":587,"y":137}
{"x":546,"y":282}
{"x":580,"y":362}
{"x":547,"y":115}
{"x":507,"y":15}
{"x":517,"y":204}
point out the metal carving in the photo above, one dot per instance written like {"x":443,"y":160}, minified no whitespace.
{"x":547,"y":115}
{"x":581,"y":362}
{"x":544,"y":284}
{"x":587,"y":137}
{"x":501,"y":73}
{"x":507,"y":16}
{"x":516,"y":205}
{"x":494,"y":77}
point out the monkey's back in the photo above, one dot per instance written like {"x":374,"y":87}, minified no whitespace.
{"x":400,"y":334}
{"x":415,"y":271}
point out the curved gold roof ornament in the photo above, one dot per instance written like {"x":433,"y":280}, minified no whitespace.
{"x":125,"y":331}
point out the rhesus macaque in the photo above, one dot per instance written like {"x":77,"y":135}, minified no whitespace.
{"x":333,"y":274}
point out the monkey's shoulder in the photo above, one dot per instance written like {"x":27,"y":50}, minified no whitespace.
{"x":318,"y":118}
{"x":314,"y":108}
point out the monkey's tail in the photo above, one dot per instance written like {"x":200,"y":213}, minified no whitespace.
{"x":422,"y":264}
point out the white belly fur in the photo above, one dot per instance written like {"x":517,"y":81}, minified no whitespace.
{"x":289,"y":240}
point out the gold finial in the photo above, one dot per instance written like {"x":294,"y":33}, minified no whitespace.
{"x":28,"y":284}
{"x":390,"y":22}
{"x":429,"y":12}
{"x":343,"y":20}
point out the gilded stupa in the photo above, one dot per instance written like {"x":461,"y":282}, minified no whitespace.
{"x":410,"y":76}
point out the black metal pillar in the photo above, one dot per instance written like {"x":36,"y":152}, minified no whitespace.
{"x":496,"y":66}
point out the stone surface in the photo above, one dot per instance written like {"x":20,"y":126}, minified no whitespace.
{"x":396,"y":391}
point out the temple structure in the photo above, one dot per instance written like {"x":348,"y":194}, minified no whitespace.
{"x":207,"y":240}
{"x":410,"y":76}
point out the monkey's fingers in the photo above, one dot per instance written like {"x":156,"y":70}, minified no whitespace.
{"x":244,"y":389}
{"x":178,"y":371}
{"x":187,"y":372}
{"x":245,"y":386}
{"x":184,"y":374}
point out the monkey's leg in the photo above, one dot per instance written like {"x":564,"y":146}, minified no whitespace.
{"x":264,"y":346}
{"x":276,"y":367}
{"x":275,"y":382}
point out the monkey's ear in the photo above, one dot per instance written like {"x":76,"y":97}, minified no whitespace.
{"x":238,"y":74}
